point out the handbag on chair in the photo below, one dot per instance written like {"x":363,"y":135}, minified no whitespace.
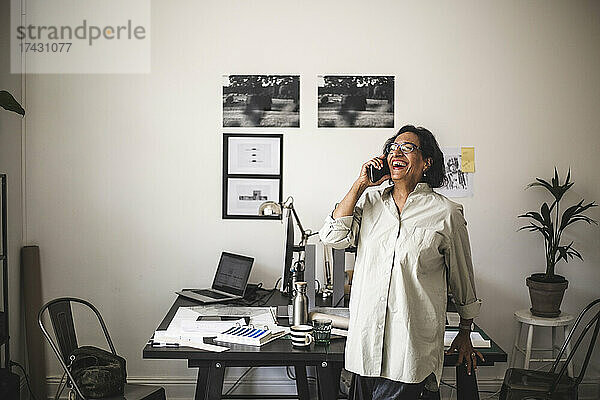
{"x":98,"y":373}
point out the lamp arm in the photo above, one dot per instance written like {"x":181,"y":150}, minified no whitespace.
{"x":302,"y":231}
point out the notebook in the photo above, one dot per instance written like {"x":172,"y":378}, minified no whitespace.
{"x":229,"y":283}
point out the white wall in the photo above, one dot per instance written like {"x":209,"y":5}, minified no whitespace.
{"x":10,"y":164}
{"x":124,"y":171}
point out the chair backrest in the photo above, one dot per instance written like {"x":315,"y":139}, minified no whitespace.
{"x":61,"y":317}
{"x":594,"y":321}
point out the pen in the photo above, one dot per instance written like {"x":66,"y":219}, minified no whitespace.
{"x":173,"y":345}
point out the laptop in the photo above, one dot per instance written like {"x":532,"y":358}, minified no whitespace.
{"x":229,"y":283}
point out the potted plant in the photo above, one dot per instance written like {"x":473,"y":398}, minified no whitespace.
{"x":546,"y":290}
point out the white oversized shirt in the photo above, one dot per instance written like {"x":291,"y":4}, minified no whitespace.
{"x":399,"y":295}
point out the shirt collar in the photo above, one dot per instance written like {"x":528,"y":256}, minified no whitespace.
{"x":421,"y":188}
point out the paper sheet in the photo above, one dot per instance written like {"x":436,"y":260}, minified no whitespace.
{"x":185,"y":322}
{"x":186,"y":340}
{"x":259,"y":316}
{"x":476,"y":339}
{"x":458,"y":183}
{"x":467,"y":158}
{"x":453,"y":319}
{"x":209,"y":328}
{"x":185,"y":330}
{"x":339,"y":332}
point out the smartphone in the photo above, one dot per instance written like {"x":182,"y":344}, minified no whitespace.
{"x":376,"y":174}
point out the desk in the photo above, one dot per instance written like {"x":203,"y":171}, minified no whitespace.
{"x":328,"y":360}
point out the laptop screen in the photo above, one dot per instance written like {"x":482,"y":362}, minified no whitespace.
{"x":233,"y":273}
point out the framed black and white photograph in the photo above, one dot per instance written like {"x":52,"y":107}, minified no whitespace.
{"x":253,"y":154}
{"x":261,"y":101}
{"x":245,"y":195}
{"x":252,"y":173}
{"x":355,"y":101}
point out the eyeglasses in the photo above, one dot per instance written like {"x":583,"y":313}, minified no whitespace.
{"x":405,"y":147}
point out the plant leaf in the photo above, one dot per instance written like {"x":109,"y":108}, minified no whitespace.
{"x":555,"y":188}
{"x":533,"y":215}
{"x":8,"y":102}
{"x":546,"y":214}
{"x":541,"y":182}
{"x":532,"y":228}
{"x":568,"y":253}
{"x":574,"y":213}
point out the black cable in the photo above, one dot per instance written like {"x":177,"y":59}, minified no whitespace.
{"x":293,"y":378}
{"x":289,"y":374}
{"x":341,"y":298}
{"x":26,"y":378}
{"x":238,"y":381}
{"x":268,"y":297}
{"x":447,"y":384}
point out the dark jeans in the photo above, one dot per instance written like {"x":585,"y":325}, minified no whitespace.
{"x":370,"y":388}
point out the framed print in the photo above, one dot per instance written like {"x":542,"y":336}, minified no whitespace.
{"x":355,"y":101}
{"x":243,"y":196}
{"x":252,"y":173}
{"x":253,"y":154}
{"x":261,"y":101}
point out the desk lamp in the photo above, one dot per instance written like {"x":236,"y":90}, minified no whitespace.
{"x":293,"y":272}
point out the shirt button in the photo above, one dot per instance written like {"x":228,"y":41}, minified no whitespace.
{"x":382,"y":298}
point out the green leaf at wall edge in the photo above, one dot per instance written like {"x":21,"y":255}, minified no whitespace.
{"x":8,"y":102}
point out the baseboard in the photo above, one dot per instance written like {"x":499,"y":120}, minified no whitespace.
{"x":183,"y":388}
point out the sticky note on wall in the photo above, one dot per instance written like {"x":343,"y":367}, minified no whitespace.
{"x":467,"y":157}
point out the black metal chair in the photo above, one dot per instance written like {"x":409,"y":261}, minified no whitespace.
{"x":61,"y":316}
{"x":528,"y":384}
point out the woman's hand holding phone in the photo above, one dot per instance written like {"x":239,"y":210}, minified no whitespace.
{"x":374,"y":168}
{"x":346,"y":206}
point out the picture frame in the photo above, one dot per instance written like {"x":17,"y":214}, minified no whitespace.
{"x":261,"y":101}
{"x":253,"y":155}
{"x":355,"y":101}
{"x":245,"y":195}
{"x":252,"y":173}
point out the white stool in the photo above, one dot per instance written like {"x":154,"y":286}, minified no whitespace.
{"x":525,"y":317}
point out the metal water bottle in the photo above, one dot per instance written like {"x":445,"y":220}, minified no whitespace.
{"x":300,"y":304}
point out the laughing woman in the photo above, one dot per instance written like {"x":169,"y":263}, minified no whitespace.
{"x":412,"y":244}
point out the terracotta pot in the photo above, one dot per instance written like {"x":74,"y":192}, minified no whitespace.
{"x":546,"y":296}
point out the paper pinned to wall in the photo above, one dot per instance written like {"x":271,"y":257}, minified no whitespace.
{"x":458,"y":183}
{"x":467,"y":159}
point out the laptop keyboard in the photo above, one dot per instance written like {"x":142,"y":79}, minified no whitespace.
{"x":211,"y":294}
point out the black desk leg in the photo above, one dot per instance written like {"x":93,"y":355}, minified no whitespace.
{"x":301,"y":382}
{"x":328,"y":380}
{"x":209,"y":385}
{"x":201,"y":383}
{"x":466,"y":385}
